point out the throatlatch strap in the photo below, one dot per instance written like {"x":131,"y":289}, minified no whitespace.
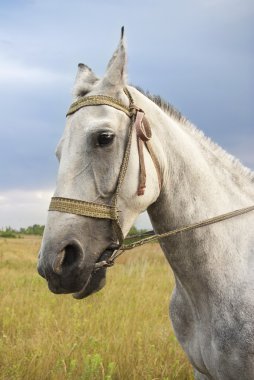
{"x":78,"y":207}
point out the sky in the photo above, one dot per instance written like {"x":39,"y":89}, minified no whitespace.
{"x":197,"y":54}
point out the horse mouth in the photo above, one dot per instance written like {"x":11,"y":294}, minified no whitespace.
{"x":95,"y":282}
{"x":97,"y":279}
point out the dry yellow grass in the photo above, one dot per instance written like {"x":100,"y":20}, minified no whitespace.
{"x":122,"y":333}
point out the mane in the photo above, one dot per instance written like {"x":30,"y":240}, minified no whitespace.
{"x":165,"y":106}
{"x":170,"y":110}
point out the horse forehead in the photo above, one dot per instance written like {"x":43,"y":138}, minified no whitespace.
{"x":88,"y":121}
{"x":92,"y":119}
{"x":93,"y":115}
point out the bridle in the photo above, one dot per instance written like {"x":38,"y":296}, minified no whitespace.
{"x":140,"y":124}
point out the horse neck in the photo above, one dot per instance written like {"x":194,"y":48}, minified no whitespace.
{"x":199,"y":181}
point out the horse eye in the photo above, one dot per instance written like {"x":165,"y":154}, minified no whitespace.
{"x":105,"y":138}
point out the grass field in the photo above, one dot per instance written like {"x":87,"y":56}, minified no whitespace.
{"x":122,"y":332}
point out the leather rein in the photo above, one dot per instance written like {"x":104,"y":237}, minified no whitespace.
{"x":139,"y":124}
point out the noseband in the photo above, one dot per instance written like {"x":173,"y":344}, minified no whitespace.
{"x":140,"y":124}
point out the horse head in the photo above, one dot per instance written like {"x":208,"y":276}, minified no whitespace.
{"x":91,"y":154}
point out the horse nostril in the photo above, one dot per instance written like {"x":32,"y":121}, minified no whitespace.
{"x":72,"y":254}
{"x":69,"y":256}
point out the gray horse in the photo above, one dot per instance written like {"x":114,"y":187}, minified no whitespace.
{"x":212,"y":307}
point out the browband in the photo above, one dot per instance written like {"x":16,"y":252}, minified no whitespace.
{"x":99,"y":100}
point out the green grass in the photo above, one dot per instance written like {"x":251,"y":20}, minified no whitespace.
{"x":122,"y":332}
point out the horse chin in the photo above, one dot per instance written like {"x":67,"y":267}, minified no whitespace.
{"x":95,"y":282}
{"x":97,"y":279}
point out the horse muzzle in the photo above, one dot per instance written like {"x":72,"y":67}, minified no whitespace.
{"x":70,"y":271}
{"x":67,"y":270}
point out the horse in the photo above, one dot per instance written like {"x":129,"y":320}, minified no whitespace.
{"x":108,"y":176}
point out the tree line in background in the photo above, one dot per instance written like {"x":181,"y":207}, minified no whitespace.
{"x":37,"y":229}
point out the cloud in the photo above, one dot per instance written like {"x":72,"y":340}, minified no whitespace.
{"x":143,"y":221}
{"x":18,"y":74}
{"x":21,"y":208}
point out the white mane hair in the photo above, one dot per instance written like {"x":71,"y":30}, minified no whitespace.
{"x":226,"y":158}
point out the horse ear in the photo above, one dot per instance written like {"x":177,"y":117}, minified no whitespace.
{"x":85,"y":80}
{"x":116,"y":70}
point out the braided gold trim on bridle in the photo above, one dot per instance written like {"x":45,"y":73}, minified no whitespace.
{"x":78,"y":207}
{"x":99,"y":100}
